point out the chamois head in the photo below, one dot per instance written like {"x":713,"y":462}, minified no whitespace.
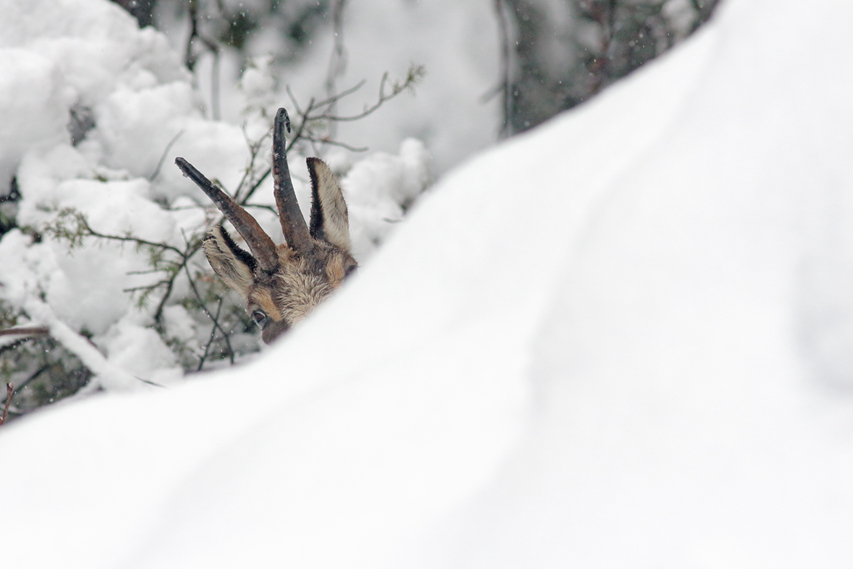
{"x":281,"y":284}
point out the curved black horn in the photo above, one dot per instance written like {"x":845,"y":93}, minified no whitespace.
{"x":259,"y":242}
{"x":292,"y":223}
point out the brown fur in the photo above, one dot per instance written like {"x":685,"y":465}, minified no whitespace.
{"x":301,"y":281}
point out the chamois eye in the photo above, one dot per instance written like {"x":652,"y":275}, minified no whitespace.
{"x":260,"y":318}
{"x":350,"y":270}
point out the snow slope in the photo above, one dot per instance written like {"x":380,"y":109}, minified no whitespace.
{"x":622,"y":340}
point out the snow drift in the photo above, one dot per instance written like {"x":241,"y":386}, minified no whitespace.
{"x":622,"y":340}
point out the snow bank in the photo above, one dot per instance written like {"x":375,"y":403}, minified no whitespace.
{"x":619,"y":340}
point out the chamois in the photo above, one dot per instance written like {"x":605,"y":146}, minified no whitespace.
{"x":281,"y":283}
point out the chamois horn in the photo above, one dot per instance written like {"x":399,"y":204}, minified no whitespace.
{"x":259,"y":243}
{"x":292,"y":223}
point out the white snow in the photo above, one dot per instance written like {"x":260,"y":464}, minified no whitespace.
{"x":621,"y":340}
{"x":26,"y":121}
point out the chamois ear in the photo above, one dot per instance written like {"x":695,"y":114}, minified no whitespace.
{"x":329,"y":217}
{"x":233,"y":265}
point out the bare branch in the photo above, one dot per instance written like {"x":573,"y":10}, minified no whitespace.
{"x":293,"y":100}
{"x":83,"y":229}
{"x":504,"y":87}
{"x":26,"y":331}
{"x":255,"y":187}
{"x":165,"y":153}
{"x":156,"y":285}
{"x":215,"y":319}
{"x":414,"y":75}
{"x":33,"y":376}
{"x":10,"y":390}
{"x":269,"y":208}
{"x":254,"y":152}
{"x":345,"y":93}
{"x":337,"y":143}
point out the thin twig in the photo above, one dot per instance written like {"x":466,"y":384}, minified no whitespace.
{"x":207,"y":312}
{"x":212,"y":335}
{"x":254,"y":152}
{"x":335,"y":98}
{"x":261,"y":206}
{"x":30,"y":379}
{"x":84,"y":224}
{"x":10,"y":390}
{"x":165,"y":153}
{"x":14,"y":345}
{"x":504,"y":86}
{"x":161,"y":306}
{"x":397,"y":88}
{"x":146,"y":272}
{"x":337,"y":143}
{"x":156,"y":285}
{"x":185,"y":259}
{"x":255,"y":186}
{"x":294,"y":101}
{"x":215,"y":111}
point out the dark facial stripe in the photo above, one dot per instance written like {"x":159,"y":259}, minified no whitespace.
{"x":244,"y":256}
{"x":317,"y":230}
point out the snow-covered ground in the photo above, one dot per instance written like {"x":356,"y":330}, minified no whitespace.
{"x":621,"y":340}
